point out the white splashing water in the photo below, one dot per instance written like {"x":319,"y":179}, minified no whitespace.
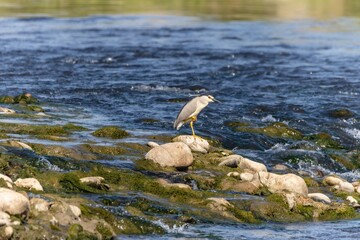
{"x":171,"y":229}
{"x":355,"y":133}
{"x":312,"y":168}
{"x":269,"y":118}
{"x":48,"y":164}
{"x":279,"y":147}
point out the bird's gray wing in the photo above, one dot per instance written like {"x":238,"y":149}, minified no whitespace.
{"x":187,"y":110}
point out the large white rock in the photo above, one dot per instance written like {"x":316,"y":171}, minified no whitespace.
{"x":243,"y":163}
{"x":13,"y":202}
{"x":287,"y":183}
{"x":175,"y":154}
{"x":39,"y":204}
{"x":319,"y":197}
{"x":29,"y":183}
{"x":196,"y":144}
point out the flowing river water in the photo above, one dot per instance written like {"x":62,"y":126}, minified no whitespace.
{"x":136,"y":71}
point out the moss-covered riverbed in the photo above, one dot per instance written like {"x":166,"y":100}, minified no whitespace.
{"x":79,"y":195}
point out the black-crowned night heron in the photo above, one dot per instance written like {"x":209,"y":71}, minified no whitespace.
{"x":191,"y":109}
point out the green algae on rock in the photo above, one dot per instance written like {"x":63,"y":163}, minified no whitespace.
{"x":276,"y":130}
{"x":341,"y":113}
{"x":113,"y":132}
{"x":32,"y":129}
{"x":324,"y":140}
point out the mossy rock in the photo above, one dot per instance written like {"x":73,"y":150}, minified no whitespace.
{"x":274,"y":211}
{"x":243,"y":215}
{"x":148,"y":120}
{"x":34,"y":108}
{"x":25,"y":98}
{"x":6,"y":99}
{"x":129,"y":225}
{"x":4,"y":135}
{"x":61,"y":151}
{"x":136,"y":181}
{"x":324,"y":140}
{"x":275,"y":130}
{"x":345,"y":161}
{"x":105,"y":231}
{"x":310,"y":182}
{"x":236,"y":124}
{"x":337,"y":212}
{"x":74,"y":128}
{"x":77,"y":232}
{"x":70,"y":182}
{"x":4,"y":164}
{"x":113,"y":132}
{"x":341,"y":113}
{"x":107,"y":150}
{"x":306,"y":211}
{"x":56,"y":130}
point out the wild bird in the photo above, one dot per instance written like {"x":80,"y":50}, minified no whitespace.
{"x":191,"y":110}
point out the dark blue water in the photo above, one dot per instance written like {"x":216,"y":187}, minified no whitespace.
{"x":120,"y":70}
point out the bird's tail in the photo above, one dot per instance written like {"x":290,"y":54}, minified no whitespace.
{"x":178,"y":125}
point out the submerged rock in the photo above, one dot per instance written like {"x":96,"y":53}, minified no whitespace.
{"x":288,"y":183}
{"x":29,"y":183}
{"x":13,"y":202}
{"x":319,"y":197}
{"x":113,"y":132}
{"x":196,"y":144}
{"x":341,"y":113}
{"x":176,"y":154}
{"x":243,"y":163}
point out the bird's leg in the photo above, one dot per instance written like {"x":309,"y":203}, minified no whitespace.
{"x":192,"y":128}
{"x":192,"y":120}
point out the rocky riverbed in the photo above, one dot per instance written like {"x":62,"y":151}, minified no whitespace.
{"x":66,"y":181}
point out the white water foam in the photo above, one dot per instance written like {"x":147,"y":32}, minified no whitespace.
{"x":171,"y":229}
{"x":269,"y":118}
{"x":355,"y":133}
{"x":48,"y":164}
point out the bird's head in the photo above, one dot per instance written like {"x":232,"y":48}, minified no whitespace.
{"x":212,"y":99}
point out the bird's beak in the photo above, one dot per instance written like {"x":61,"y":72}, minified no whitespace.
{"x":215,"y":100}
